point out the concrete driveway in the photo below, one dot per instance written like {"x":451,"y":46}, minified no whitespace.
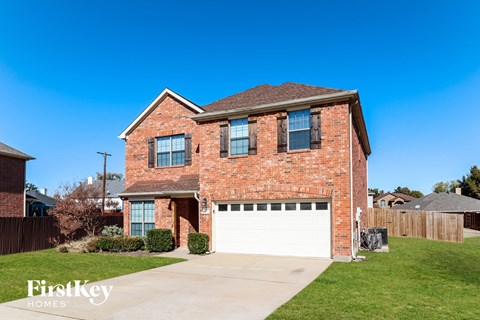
{"x":218,"y":286}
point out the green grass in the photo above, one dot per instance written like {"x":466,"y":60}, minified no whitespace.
{"x":418,"y":279}
{"x":56,"y":268}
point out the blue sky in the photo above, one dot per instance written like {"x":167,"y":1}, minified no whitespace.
{"x":74,"y":74}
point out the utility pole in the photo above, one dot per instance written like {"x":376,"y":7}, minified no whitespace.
{"x":104,"y":154}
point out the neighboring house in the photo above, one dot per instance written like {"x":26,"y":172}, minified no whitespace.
{"x":271,"y":170}
{"x":449,"y":203}
{"x":38,"y":203}
{"x":391,"y":199}
{"x":12,"y":181}
{"x":113,"y":202}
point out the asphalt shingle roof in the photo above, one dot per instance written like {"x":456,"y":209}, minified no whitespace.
{"x":48,"y":201}
{"x":443,"y":202}
{"x":265,"y":94}
{"x":112,"y":187}
{"x":403,"y":196}
{"x":14,"y":153}
{"x":184,"y":183}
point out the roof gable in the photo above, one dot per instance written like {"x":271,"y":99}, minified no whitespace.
{"x":153,"y":104}
{"x":265,"y":94}
{"x":13,"y":153}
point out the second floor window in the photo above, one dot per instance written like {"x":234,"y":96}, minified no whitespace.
{"x":171,"y":151}
{"x":299,"y":130}
{"x":239,"y":136}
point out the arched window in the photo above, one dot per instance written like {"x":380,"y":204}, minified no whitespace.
{"x":383,"y":203}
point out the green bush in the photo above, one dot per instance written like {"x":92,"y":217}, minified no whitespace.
{"x":159,"y":240}
{"x":120,"y":244}
{"x":117,"y":244}
{"x":133,"y":244}
{"x":112,"y":231}
{"x":198,"y":243}
{"x":104,"y":243}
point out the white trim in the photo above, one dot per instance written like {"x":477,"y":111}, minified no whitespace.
{"x":153,"y":104}
{"x":157,"y":193}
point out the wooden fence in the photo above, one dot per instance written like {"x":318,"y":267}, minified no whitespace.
{"x":31,"y":234}
{"x":418,"y":224}
{"x":472,"y":221}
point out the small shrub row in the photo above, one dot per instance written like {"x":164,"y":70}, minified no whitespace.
{"x":120,"y":244}
{"x":159,"y":240}
{"x":84,"y":245}
{"x":198,"y":243}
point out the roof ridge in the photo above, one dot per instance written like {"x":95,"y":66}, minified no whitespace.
{"x":267,"y":93}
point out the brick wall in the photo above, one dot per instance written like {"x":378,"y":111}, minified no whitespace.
{"x":12,"y":186}
{"x":170,"y":117}
{"x":271,"y":175}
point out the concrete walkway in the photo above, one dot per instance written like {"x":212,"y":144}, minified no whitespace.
{"x":217,"y":286}
{"x":470,"y":233}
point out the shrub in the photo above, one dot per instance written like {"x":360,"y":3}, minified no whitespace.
{"x":159,"y":240}
{"x":104,"y":243}
{"x":117,"y":244}
{"x":112,"y":231}
{"x":133,"y":244}
{"x":91,"y":245}
{"x":62,"y":248}
{"x":120,"y":244}
{"x":198,"y":243}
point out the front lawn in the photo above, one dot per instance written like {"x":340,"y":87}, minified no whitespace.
{"x":418,"y":279}
{"x":56,"y":268}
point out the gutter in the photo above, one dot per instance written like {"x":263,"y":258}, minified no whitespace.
{"x":158,"y":193}
{"x":277,"y":106}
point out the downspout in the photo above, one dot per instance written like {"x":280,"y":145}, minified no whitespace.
{"x":351,"y":183}
{"x":195,"y":195}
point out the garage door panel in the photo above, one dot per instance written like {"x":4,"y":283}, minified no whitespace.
{"x":293,"y":232}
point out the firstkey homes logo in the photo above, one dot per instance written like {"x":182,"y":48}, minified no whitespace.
{"x":96,"y":294}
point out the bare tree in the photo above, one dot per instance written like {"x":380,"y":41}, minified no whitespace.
{"x":77,"y":208}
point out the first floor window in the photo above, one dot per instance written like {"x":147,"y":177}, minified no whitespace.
{"x":299,"y":130}
{"x":239,"y":136}
{"x":171,"y":151}
{"x":142,"y":217}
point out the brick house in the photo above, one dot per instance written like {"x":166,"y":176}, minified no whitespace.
{"x":12,"y":181}
{"x":391,"y":199}
{"x":271,"y":170}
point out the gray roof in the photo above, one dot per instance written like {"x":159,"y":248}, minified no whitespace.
{"x":443,"y":202}
{"x":13,"y":153}
{"x":112,"y":187}
{"x":48,"y":201}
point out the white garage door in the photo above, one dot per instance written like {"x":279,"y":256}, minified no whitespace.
{"x":293,"y":228}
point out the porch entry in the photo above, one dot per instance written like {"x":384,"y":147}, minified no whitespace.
{"x":185,"y":219}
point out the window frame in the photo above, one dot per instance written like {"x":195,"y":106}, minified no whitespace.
{"x":143,"y":222}
{"x":171,"y":152}
{"x":230,"y":138}
{"x":383,"y":203}
{"x":298,"y":130}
